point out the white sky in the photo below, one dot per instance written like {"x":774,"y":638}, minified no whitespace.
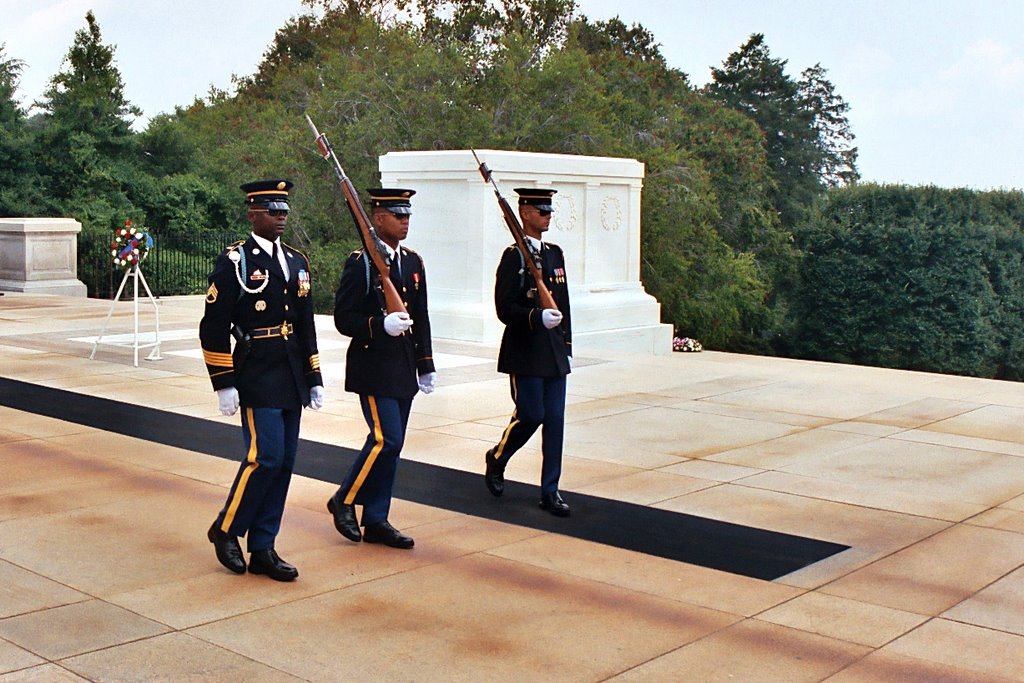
{"x":936,"y":87}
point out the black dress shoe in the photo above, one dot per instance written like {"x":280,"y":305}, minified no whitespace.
{"x":553,"y":503}
{"x":345,"y":520}
{"x":229,"y":553}
{"x":383,"y":532}
{"x":494,"y":475}
{"x":267,"y":562}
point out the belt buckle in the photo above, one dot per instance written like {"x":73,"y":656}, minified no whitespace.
{"x":286,"y":329}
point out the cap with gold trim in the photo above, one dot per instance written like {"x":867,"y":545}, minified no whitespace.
{"x":537,"y":197}
{"x":267,"y":194}
{"x":395,"y":200}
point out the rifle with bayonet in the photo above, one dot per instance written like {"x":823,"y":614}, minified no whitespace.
{"x":531,"y":257}
{"x":372,"y":245}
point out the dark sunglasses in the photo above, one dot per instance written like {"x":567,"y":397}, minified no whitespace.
{"x":272,"y":212}
{"x":543,"y":213}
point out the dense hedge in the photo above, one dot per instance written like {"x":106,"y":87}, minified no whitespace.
{"x":913,"y":277}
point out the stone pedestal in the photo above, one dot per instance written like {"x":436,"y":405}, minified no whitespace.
{"x":40,"y":256}
{"x":458,"y":228}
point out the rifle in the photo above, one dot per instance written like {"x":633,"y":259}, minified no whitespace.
{"x":531,"y":257}
{"x":372,"y":244}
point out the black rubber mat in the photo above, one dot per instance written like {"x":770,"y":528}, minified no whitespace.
{"x":734,"y":548}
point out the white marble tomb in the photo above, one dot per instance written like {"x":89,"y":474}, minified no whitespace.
{"x":458,"y":229}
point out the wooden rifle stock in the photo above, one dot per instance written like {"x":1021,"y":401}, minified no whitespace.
{"x":371,"y":243}
{"x":544,"y":296}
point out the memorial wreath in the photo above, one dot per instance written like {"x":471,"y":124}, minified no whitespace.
{"x":130,"y":246}
{"x":686,"y":344}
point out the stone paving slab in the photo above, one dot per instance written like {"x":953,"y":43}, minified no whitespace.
{"x":105,"y":572}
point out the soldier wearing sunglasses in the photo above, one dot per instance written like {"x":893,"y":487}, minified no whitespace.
{"x":260,"y":293}
{"x":536,"y":351}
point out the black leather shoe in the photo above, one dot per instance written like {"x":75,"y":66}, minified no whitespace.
{"x":229,"y":553}
{"x":494,"y":475}
{"x":345,"y":520}
{"x":553,"y":503}
{"x":383,"y":532}
{"x":267,"y":562}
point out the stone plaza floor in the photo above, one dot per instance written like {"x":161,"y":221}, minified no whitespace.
{"x":106,"y":573}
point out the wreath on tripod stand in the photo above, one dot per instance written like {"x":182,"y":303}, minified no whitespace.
{"x":130,"y":246}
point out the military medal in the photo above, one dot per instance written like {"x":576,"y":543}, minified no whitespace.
{"x":303,"y":278}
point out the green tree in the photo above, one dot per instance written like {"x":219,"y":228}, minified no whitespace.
{"x":918,"y":278}
{"x":528,"y":75}
{"x":837,"y":162}
{"x":19,"y":192}
{"x":86,"y":150}
{"x":729,"y":238}
{"x":86,"y":138}
{"x":166,"y":147}
{"x":482,"y":27}
{"x":806,"y":135}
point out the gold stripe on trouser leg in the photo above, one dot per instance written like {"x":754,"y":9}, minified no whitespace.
{"x":378,"y":445}
{"x":511,"y":425}
{"x":250,"y":458}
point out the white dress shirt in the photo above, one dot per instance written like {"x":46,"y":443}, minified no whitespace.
{"x":268,"y":247}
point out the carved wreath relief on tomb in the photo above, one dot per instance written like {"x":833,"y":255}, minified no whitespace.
{"x":611,"y":213}
{"x":565,"y":213}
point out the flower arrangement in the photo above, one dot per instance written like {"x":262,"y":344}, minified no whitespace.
{"x":130,"y":246}
{"x":686,"y":344}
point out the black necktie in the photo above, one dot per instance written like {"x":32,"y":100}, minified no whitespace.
{"x":276,"y":262}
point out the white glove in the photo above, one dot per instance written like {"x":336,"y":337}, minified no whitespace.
{"x":550,"y":318}
{"x":316,"y":397}
{"x":397,"y":323}
{"x":228,"y":399}
{"x":427,"y":382}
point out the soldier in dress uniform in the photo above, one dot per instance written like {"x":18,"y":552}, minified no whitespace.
{"x":389,"y":360}
{"x":536,"y":352}
{"x":260,"y":294}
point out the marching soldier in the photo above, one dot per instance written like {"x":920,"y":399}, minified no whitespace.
{"x":260,"y":293}
{"x":536,"y":352}
{"x":389,"y":360}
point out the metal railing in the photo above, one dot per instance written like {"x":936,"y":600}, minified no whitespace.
{"x":178,"y":263}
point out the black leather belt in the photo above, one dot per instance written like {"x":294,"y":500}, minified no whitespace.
{"x":282,"y":330}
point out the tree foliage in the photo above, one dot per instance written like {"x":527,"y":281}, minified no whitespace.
{"x":919,"y":278}
{"x":806,"y":134}
{"x":836,"y":155}
{"x":86,"y":138}
{"x":19,"y":190}
{"x":86,"y":148}
{"x":91,"y":165}
{"x":526,"y":75}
